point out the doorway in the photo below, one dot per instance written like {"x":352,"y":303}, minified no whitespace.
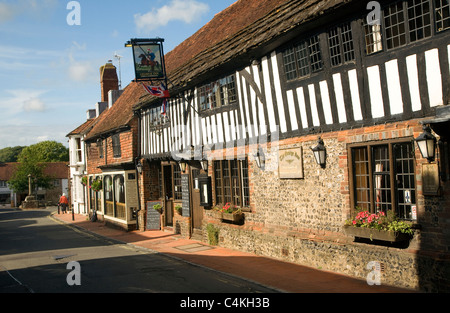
{"x":197,"y":210}
{"x":168,"y":194}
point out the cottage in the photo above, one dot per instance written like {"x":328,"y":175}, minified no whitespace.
{"x":266,"y":81}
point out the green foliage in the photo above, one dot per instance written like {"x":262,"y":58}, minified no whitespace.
{"x":10,"y":154}
{"x":19,"y":180}
{"x":213,"y":235}
{"x":381,"y":221}
{"x":46,"y":151}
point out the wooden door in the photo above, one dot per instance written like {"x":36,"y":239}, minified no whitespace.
{"x":197,"y":210}
{"x":168,"y":195}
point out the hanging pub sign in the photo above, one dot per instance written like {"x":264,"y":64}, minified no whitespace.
{"x":148,"y":56}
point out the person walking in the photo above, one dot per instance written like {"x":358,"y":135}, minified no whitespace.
{"x":63,"y":202}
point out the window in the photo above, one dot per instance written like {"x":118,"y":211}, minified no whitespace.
{"x":303,"y":58}
{"x":3,"y":184}
{"x":406,"y":22}
{"x":383,"y":178}
{"x":177,"y":182}
{"x":442,"y":14}
{"x":78,"y":151}
{"x":116,"y":146}
{"x":340,"y":41}
{"x":217,"y":94}
{"x":372,"y":36}
{"x":231,"y":182}
{"x":100,"y":148}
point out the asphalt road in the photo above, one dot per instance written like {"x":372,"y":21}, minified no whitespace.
{"x":35,"y":251}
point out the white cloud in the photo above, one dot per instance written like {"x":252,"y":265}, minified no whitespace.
{"x":6,"y":12}
{"x":79,"y":71}
{"x":34,"y":105}
{"x":20,"y":101}
{"x":178,"y":10}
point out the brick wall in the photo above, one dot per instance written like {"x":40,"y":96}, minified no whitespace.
{"x":301,"y":220}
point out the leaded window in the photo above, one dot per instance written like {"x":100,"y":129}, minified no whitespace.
{"x":340,"y":40}
{"x":303,"y":58}
{"x":442,"y":14}
{"x":231,"y":182}
{"x":384,"y":178}
{"x":219,"y":93}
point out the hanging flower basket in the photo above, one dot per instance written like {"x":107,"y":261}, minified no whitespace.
{"x":84,"y":180}
{"x":96,"y":185}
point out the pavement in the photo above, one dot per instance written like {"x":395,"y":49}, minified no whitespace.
{"x":282,"y":276}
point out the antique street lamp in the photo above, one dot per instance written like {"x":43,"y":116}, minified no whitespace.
{"x":320,"y":153}
{"x":427,"y":144}
{"x":139,"y":167}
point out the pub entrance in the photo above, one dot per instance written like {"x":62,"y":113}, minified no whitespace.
{"x":197,"y":210}
{"x":168,"y":194}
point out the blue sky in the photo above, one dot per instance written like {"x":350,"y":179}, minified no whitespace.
{"x":49,"y":70}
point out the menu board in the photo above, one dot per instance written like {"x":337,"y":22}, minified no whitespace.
{"x":153,"y":216}
{"x":185,"y":193}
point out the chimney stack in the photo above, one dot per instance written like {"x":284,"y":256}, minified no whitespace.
{"x":108,"y":79}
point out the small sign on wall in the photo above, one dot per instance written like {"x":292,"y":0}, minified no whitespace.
{"x":430,"y":179}
{"x":290,"y":164}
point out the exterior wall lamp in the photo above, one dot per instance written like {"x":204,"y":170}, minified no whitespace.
{"x":320,"y":153}
{"x":204,"y":164}
{"x":183,"y":165}
{"x":427,"y":144}
{"x":139,"y":167}
{"x":260,"y":159}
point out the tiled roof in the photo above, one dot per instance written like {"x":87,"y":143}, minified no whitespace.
{"x":224,"y":25}
{"x":119,"y":115}
{"x":83,"y":128}
{"x":247,"y":27}
{"x":57,"y":170}
{"x":7,"y":170}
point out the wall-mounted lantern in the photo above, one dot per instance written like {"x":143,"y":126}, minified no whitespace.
{"x":320,"y":153}
{"x":427,"y":144}
{"x":139,"y":167}
{"x":260,"y":159}
{"x":183,"y":165}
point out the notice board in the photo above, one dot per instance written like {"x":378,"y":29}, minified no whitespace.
{"x":153,"y":216}
{"x":186,"y":197}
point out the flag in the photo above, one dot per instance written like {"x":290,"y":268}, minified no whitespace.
{"x":157,"y":91}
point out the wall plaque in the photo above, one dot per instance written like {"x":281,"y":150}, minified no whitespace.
{"x":290,"y":164}
{"x":430,"y":179}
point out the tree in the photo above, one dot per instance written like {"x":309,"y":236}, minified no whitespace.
{"x":19,"y":180}
{"x":10,"y":154}
{"x":46,"y":152}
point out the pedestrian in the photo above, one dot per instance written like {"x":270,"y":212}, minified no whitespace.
{"x":63,"y":202}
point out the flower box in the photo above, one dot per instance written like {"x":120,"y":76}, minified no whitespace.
{"x":375,"y":234}
{"x":233,"y":217}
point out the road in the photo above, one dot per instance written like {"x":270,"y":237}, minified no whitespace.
{"x":35,"y":251}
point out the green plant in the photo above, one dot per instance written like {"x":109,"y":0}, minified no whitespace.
{"x":96,"y":185}
{"x":158,"y":207}
{"x":213,"y":234}
{"x":179,"y":209}
{"x":380,"y":221}
{"x":84,"y":180}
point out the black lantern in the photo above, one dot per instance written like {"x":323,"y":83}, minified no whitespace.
{"x":260,"y":159}
{"x":320,"y":153}
{"x":204,"y":164}
{"x":183,"y":165}
{"x":139,"y":167}
{"x":427,"y":144}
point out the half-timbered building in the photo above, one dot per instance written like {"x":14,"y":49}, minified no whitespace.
{"x":254,"y":90}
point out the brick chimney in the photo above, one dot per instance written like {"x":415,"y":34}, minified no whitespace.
{"x":108,"y":79}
